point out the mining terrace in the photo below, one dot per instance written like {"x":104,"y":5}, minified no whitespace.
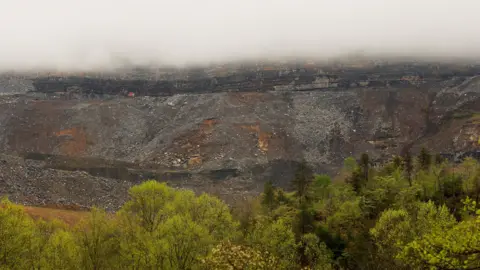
{"x":83,"y":138}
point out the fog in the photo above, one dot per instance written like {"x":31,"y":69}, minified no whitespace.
{"x":91,"y":34}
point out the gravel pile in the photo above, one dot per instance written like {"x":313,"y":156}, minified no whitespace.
{"x":28,"y":182}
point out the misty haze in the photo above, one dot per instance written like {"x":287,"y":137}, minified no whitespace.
{"x":97,"y":34}
{"x":228,"y":135}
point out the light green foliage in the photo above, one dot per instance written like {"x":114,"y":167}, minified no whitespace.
{"x":214,"y":215}
{"x":275,"y":238}
{"x":172,"y":229}
{"x":37,"y":242}
{"x":287,"y":213}
{"x":428,"y":182}
{"x":382,"y":191}
{"x":430,"y":216}
{"x":335,"y":195}
{"x":53,"y":246}
{"x":407,"y":198}
{"x":319,"y":186}
{"x":17,"y":232}
{"x":347,"y":219}
{"x":446,"y":245}
{"x":246,"y":211}
{"x":397,"y":228}
{"x":470,"y":170}
{"x":317,"y":252}
{"x":356,"y":174}
{"x":321,"y":181}
{"x":60,"y":251}
{"x":391,"y":232}
{"x":147,"y":204}
{"x":143,"y":244}
{"x":97,"y":237}
{"x":186,"y":241}
{"x":229,"y":256}
{"x":140,"y":249}
{"x":350,"y":164}
{"x":380,"y":220}
{"x":26,"y":244}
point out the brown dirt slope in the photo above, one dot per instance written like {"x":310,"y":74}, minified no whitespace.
{"x":70,"y":217}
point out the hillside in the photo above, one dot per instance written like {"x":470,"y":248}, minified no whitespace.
{"x":79,"y":139}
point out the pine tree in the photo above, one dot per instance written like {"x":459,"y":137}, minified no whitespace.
{"x":305,"y":219}
{"x":356,"y":177}
{"x":268,"y":199}
{"x":302,"y":181}
{"x":408,"y":166}
{"x":424,"y":159}
{"x":281,"y":198}
{"x":365,"y":164}
{"x":305,"y":224}
{"x":397,"y":162}
{"x":355,"y":180}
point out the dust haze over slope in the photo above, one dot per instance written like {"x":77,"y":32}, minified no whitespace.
{"x":91,"y":34}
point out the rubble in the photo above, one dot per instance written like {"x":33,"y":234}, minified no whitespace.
{"x":88,"y":147}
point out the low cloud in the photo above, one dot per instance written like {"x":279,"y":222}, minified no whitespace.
{"x":92,"y":34}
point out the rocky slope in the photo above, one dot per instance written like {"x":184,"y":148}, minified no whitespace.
{"x":81,"y":139}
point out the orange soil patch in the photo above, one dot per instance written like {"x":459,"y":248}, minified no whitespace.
{"x":76,"y":142}
{"x":263,"y":137}
{"x":193,"y":143}
{"x":194,"y":161}
{"x":70,"y":217}
{"x":37,"y":122}
{"x":189,"y":145}
{"x":197,"y":137}
{"x":209,"y":123}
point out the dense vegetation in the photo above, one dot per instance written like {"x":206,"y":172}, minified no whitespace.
{"x":411,"y":213}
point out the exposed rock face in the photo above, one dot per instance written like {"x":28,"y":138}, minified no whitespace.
{"x":196,"y":134}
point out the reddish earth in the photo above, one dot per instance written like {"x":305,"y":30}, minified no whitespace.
{"x":70,"y":217}
{"x":73,"y":141}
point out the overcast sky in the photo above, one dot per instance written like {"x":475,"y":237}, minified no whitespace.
{"x":90,"y":33}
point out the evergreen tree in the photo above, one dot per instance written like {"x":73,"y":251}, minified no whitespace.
{"x":424,"y":159}
{"x":305,"y":225}
{"x":355,"y":180}
{"x":408,"y":164}
{"x":302,"y":181}
{"x":305,"y":219}
{"x":397,"y":162}
{"x":268,"y":198}
{"x":365,"y":165}
{"x":334,"y":242}
{"x":281,"y":197}
{"x":386,"y":224}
